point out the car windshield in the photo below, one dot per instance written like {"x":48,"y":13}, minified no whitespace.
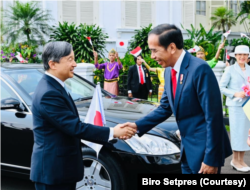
{"x":28,"y":80}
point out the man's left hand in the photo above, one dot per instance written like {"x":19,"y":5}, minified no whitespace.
{"x":116,"y":55}
{"x":205,"y":169}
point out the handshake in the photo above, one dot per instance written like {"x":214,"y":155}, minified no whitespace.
{"x":125,"y":131}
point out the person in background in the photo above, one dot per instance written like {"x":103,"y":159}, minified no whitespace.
{"x":230,"y":85}
{"x":202,"y":55}
{"x":139,"y":83}
{"x":191,"y":93}
{"x":111,"y":71}
{"x":160,"y":75}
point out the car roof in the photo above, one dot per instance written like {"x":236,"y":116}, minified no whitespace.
{"x":8,"y":66}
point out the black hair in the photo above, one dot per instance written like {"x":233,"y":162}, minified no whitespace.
{"x":135,"y":58}
{"x":168,"y":33}
{"x":54,"y":51}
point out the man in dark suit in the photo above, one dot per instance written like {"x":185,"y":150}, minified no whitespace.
{"x":56,"y":162}
{"x":192,"y":94}
{"x":139,"y":82}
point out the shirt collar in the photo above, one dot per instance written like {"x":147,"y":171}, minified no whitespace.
{"x":57,"y":79}
{"x":177,"y":65}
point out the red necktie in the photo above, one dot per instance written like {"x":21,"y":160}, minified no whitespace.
{"x":174,"y":83}
{"x":141,"y":75}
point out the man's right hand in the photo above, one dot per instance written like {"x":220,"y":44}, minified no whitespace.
{"x":95,"y":54}
{"x":128,"y":125}
{"x":130,"y":95}
{"x":122,"y":130}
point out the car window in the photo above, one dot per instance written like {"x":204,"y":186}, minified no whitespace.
{"x":28,"y":79}
{"x":79,"y":88}
{"x":6,"y":92}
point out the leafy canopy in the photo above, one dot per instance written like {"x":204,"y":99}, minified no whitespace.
{"x":26,"y":20}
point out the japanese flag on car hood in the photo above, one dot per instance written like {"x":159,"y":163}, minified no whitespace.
{"x":95,"y":116}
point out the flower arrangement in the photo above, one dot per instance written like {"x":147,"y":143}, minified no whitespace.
{"x":27,"y":52}
{"x":246,"y":89}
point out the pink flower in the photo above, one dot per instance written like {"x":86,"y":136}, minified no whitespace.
{"x":245,"y":88}
{"x":248,"y":93}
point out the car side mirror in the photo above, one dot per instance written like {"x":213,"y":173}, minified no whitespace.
{"x":10,"y":103}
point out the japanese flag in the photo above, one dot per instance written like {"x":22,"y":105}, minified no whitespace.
{"x":89,"y":38}
{"x":135,"y":52}
{"x":194,"y":49}
{"x":244,"y":35}
{"x":227,"y":56}
{"x":95,"y":116}
{"x":227,"y":33}
{"x":122,"y":44}
{"x":19,"y":57}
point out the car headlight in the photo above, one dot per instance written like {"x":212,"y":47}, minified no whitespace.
{"x":178,"y":134}
{"x":153,"y":145}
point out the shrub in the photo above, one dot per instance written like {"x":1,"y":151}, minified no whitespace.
{"x":76,"y":35}
{"x":141,"y":39}
{"x":210,"y":41}
{"x":28,"y":52}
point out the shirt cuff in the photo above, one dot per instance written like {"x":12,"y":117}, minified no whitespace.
{"x":129,"y":92}
{"x":111,"y":134}
{"x":150,"y":90}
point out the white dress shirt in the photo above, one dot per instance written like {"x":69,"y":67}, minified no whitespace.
{"x":111,"y":131}
{"x":177,"y":66}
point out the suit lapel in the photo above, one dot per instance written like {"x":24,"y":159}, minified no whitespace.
{"x":238,"y":69}
{"x":63,"y":91}
{"x":184,"y":73}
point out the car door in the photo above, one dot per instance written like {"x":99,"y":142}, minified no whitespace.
{"x":16,"y":133}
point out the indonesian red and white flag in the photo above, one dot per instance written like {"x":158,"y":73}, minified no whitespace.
{"x":135,"y":52}
{"x":227,"y":33}
{"x":244,"y":35}
{"x":227,"y":56}
{"x":194,"y":49}
{"x":95,"y":116}
{"x":122,"y":44}
{"x":89,"y":38}
{"x":19,"y":57}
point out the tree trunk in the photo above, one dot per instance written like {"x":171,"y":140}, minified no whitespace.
{"x":28,"y":38}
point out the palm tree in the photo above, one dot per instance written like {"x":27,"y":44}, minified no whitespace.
{"x":26,"y":20}
{"x":222,"y":18}
{"x":244,"y":11}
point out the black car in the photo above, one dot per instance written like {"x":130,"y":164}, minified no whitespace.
{"x":119,"y":161}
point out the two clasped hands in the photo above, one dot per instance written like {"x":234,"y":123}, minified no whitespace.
{"x":125,"y":131}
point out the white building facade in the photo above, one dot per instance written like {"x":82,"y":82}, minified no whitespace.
{"x":119,"y":19}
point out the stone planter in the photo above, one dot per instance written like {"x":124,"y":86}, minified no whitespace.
{"x":85,"y":70}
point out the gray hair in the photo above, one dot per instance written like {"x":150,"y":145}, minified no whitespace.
{"x":54,"y":51}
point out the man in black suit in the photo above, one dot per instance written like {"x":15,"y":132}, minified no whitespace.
{"x":139,"y":83}
{"x":56,"y":162}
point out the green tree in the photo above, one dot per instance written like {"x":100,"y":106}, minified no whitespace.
{"x":26,"y":20}
{"x":244,"y":11}
{"x":77,"y":36}
{"x":222,"y":18}
{"x":141,"y":39}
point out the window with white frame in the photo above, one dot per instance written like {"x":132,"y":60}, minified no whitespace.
{"x":78,"y":12}
{"x":137,"y":13}
{"x":201,"y":8}
{"x":235,"y":6}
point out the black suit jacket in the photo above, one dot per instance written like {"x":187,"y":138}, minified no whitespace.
{"x":133,"y":78}
{"x":57,"y":155}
